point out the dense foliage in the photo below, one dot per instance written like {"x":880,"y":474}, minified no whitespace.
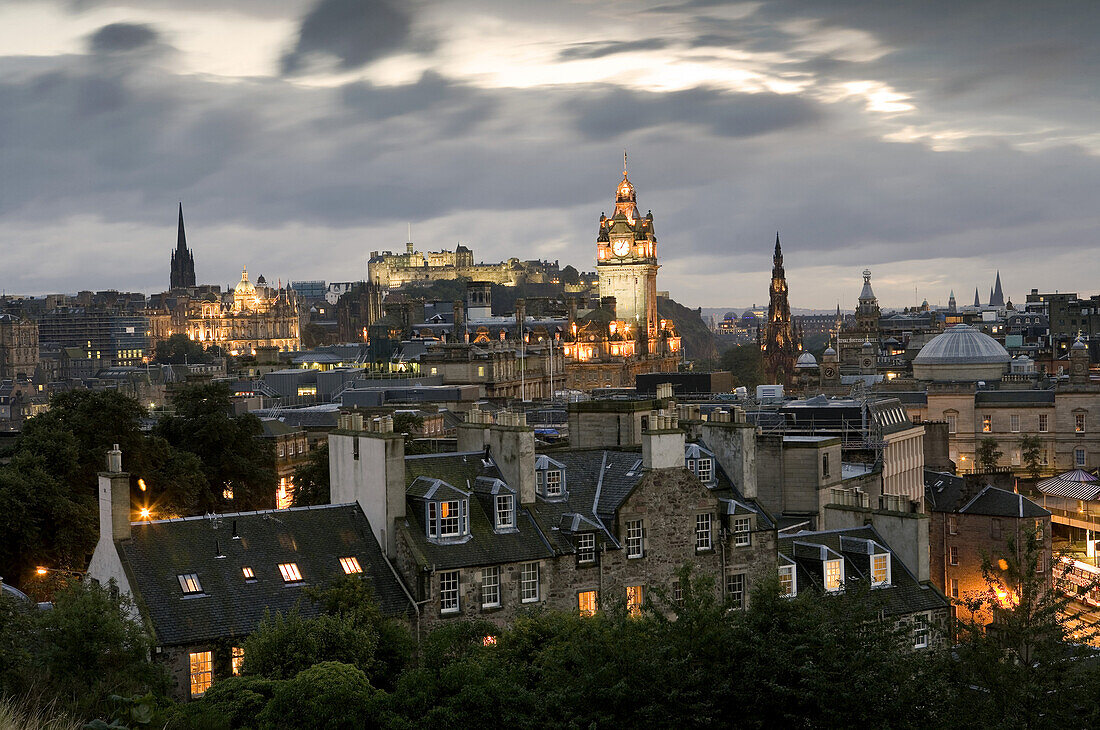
{"x":48,"y":490}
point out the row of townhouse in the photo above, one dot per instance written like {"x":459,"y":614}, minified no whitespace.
{"x":489,"y":531}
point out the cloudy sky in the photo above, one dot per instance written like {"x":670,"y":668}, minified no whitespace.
{"x":933,"y":142}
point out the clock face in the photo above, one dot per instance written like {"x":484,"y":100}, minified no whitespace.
{"x":620,"y":248}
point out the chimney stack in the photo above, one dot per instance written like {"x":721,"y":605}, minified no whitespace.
{"x":114,"y":499}
{"x":368,"y":467}
{"x":733,"y":440}
{"x":512,"y":445}
{"x":663,"y":443}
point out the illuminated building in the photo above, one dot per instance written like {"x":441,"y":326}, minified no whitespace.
{"x":248,"y":318}
{"x":780,"y":345}
{"x":609,"y":346}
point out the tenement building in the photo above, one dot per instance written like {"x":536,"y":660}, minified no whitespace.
{"x":18,"y":347}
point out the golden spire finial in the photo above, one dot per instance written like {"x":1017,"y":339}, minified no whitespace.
{"x":624,"y":161}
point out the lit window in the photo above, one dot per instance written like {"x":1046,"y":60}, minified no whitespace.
{"x":987,"y":423}
{"x":834,"y":574}
{"x":189,"y":582}
{"x":202,"y":672}
{"x":449,"y":519}
{"x":586,"y":603}
{"x":735,"y":589}
{"x":704,"y":469}
{"x":448,"y":591}
{"x":490,"y":587}
{"x":489,"y":640}
{"x":553,"y":482}
{"x":236,"y":660}
{"x":787,"y":587}
{"x":702,"y":532}
{"x":1042,"y":423}
{"x":742,"y":531}
{"x":248,"y":573}
{"x":634,"y":597}
{"x":529,"y":582}
{"x":954,"y":555}
{"x":1079,"y":422}
{"x":634,"y":539}
{"x":350,"y":565}
{"x":880,"y":569}
{"x":481,"y":370}
{"x":290,"y":572}
{"x":920,"y":630}
{"x":505,"y":511}
{"x":586,"y":547}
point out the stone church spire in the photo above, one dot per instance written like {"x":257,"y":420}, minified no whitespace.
{"x":780,"y":344}
{"x":183,"y":261}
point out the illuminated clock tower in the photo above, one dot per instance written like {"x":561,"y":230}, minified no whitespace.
{"x":626,"y":260}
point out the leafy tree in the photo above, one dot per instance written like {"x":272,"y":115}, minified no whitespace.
{"x":569,"y":275}
{"x":313,"y":335}
{"x":988,"y":454}
{"x":410,"y":424}
{"x":1031,"y":448}
{"x":232,"y":702}
{"x":311,"y":479}
{"x":233,"y":455}
{"x":90,"y":648}
{"x":285,"y":644}
{"x":97,"y":420}
{"x":175,"y":482}
{"x":16,"y":642}
{"x":44,"y":519}
{"x":327,"y":695}
{"x":180,"y":349}
{"x":1023,"y":668}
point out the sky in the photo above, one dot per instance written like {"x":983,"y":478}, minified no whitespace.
{"x":934,"y":142}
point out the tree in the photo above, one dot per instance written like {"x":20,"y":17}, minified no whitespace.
{"x":988,"y":454}
{"x":235,"y":460}
{"x":180,"y":349}
{"x":410,"y":424}
{"x":1018,"y":665}
{"x":1031,"y":449}
{"x":90,"y":648}
{"x":744,"y":362}
{"x":285,"y":644}
{"x":328,"y":695}
{"x":311,"y":479}
{"x":313,"y":335}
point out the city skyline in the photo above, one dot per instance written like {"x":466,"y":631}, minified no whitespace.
{"x":933,"y":145}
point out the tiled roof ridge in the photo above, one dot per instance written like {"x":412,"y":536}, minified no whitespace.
{"x":250,"y":513}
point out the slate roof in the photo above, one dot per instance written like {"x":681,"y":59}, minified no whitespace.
{"x":904,"y":594}
{"x":313,"y":537}
{"x":429,"y":474}
{"x":1002,"y":503}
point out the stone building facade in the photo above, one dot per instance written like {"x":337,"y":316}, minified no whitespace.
{"x":18,"y":347}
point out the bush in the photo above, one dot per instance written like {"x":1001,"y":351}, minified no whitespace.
{"x":329,"y":695}
{"x":284,"y":645}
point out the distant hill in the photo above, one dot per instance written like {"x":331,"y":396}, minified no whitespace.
{"x":698,"y":340}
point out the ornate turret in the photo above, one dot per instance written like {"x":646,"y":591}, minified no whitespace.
{"x":780,"y":344}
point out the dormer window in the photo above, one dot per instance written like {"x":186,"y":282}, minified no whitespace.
{"x":549,"y":478}
{"x":448,"y":518}
{"x":704,"y":469}
{"x":834,"y":574}
{"x":553,"y":482}
{"x":505,"y":511}
{"x":880,"y":569}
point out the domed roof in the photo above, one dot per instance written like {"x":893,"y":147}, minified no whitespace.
{"x":806,"y":360}
{"x":829,"y":351}
{"x":962,"y":345}
{"x":1079,"y":345}
{"x":244,"y":286}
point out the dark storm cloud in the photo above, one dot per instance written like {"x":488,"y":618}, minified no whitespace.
{"x":354,"y":32}
{"x":455,"y":106}
{"x":121,"y":37}
{"x":600,"y":49}
{"x":616,"y":111}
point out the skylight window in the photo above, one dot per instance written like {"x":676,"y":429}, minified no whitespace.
{"x":290,"y":572}
{"x":350,"y":565}
{"x":248,"y":573}
{"x":189,"y":582}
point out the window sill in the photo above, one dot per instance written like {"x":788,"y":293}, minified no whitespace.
{"x":529,"y":600}
{"x":700,"y":551}
{"x":491,"y":608}
{"x":449,"y":612}
{"x":635,"y":557}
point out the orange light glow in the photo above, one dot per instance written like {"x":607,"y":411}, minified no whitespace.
{"x":141,"y":484}
{"x":144,"y":513}
{"x":489,"y":641}
{"x":1006,"y":598}
{"x":1002,"y":564}
{"x":41,"y":570}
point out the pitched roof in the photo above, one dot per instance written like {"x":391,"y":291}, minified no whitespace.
{"x":1076,"y":484}
{"x":315,"y":538}
{"x":904,"y":594}
{"x":1002,"y":503}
